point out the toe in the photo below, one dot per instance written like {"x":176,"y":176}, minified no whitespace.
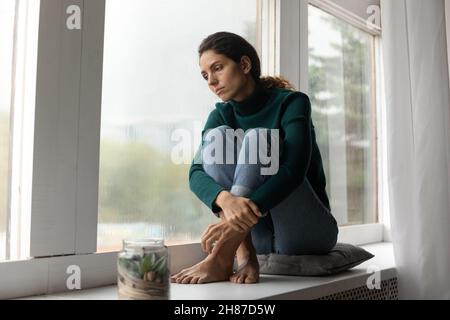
{"x":174,"y":278}
{"x":194,"y":280}
{"x":250,"y":279}
{"x":180,"y":279}
{"x":177,"y":275}
{"x":235,"y":278}
{"x":202,"y":279}
{"x":187,"y":279}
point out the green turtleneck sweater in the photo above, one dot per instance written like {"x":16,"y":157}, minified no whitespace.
{"x":288,"y":111}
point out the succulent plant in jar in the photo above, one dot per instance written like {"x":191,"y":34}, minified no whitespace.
{"x":143,"y":270}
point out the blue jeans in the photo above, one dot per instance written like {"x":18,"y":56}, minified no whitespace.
{"x":300,"y":224}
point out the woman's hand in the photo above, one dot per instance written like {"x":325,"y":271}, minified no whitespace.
{"x":215,"y":233}
{"x":240,"y":212}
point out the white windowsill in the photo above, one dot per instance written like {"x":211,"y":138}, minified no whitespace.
{"x":269,"y":287}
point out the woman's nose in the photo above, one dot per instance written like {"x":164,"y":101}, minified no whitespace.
{"x":212,"y":80}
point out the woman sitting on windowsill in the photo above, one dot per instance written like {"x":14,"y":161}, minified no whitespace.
{"x":285,"y":212}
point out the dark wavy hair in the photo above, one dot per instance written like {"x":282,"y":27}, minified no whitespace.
{"x":235,"y":47}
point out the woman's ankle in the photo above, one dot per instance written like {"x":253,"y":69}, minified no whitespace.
{"x":223,"y":258}
{"x":246,"y":250}
{"x":225,"y":252}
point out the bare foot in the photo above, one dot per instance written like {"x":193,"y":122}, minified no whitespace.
{"x":218,"y":266}
{"x":212,"y":269}
{"x":247,"y":271}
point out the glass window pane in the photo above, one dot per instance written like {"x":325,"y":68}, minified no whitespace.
{"x":341,"y":90}
{"x":7,"y":11}
{"x":152,"y":88}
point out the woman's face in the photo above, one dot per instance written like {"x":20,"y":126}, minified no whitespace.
{"x":227,"y":79}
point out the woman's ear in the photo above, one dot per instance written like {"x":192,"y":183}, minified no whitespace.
{"x":246,"y":64}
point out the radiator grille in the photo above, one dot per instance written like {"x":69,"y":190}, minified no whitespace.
{"x":388,"y":291}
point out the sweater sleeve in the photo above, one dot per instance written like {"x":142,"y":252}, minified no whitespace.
{"x":294,"y":162}
{"x":200,"y":183}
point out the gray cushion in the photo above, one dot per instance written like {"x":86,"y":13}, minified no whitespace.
{"x":342,"y":257}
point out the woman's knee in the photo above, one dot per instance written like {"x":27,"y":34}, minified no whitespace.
{"x":262,"y":147}
{"x":213,"y":156}
{"x":215,"y":145}
{"x":214,"y":132}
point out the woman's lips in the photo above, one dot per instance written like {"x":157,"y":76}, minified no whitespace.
{"x":219,"y":91}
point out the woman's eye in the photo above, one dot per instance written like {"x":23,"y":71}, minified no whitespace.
{"x":217,"y":68}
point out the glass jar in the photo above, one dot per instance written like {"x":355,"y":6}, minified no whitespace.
{"x":143,"y":270}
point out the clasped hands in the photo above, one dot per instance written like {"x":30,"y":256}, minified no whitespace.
{"x":238,"y":214}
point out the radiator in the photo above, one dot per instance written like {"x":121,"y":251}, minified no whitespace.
{"x":388,"y":291}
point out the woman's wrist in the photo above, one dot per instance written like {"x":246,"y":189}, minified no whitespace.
{"x":222,"y":197}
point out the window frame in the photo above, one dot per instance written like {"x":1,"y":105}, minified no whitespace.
{"x":374,"y":31}
{"x":64,"y":223}
{"x":23,"y":106}
{"x":381,"y":230}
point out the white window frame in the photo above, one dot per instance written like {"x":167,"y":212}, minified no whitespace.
{"x":63,"y":227}
{"x":22,"y":125}
{"x":447,"y":28}
{"x":379,"y":231}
